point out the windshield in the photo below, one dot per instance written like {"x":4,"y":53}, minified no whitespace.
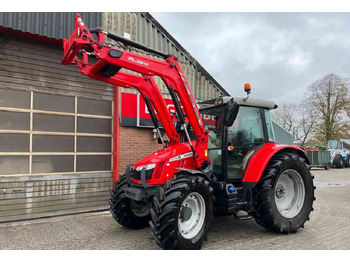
{"x":333,"y":144}
{"x":247,"y":130}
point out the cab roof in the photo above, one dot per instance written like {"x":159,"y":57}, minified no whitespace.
{"x":240,"y":100}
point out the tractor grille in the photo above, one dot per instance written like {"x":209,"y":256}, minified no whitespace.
{"x":137,"y":174}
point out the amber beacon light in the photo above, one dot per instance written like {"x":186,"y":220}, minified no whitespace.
{"x":247,"y":88}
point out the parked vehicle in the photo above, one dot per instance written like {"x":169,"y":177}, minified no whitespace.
{"x":319,"y":158}
{"x":220,"y":160}
{"x":339,"y":152}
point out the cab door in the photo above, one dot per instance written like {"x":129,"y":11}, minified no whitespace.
{"x":243,"y":139}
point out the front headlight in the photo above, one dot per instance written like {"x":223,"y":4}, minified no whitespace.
{"x":146,"y":167}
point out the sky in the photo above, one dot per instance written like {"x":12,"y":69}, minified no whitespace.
{"x":279,"y":54}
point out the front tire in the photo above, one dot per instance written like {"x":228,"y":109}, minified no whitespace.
{"x":125,"y":211}
{"x":182,"y":215}
{"x":284,"y":196}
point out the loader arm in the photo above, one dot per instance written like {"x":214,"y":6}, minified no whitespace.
{"x":81,"y":48}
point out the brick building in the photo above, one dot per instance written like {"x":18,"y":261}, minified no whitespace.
{"x":56,"y":125}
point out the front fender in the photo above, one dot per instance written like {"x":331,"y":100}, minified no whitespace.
{"x":260,"y":159}
{"x":205,"y":175}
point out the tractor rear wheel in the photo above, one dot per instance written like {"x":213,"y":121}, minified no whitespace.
{"x":347,"y":161}
{"x":127,"y":212}
{"x":284,"y":196}
{"x":338,"y":161}
{"x":182,"y":214}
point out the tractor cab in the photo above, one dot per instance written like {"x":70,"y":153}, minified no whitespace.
{"x":231,"y":145}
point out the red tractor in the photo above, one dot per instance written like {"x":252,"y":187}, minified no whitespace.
{"x":219,"y":160}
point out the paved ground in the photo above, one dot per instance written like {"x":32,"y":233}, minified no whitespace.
{"x":329,"y":227}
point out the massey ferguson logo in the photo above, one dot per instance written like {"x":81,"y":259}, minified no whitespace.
{"x":137,"y":61}
{"x":179,"y":157}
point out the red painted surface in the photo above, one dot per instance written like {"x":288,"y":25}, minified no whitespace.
{"x":129,"y":105}
{"x":169,"y":167}
{"x":171,"y":73}
{"x":311,"y":149}
{"x":261,"y":158}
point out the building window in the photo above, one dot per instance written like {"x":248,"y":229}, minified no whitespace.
{"x":44,"y":133}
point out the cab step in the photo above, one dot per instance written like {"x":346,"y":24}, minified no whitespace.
{"x":238,"y":215}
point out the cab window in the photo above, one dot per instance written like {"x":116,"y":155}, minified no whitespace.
{"x":247,"y":130}
{"x":243,"y":137}
{"x":269,"y":126}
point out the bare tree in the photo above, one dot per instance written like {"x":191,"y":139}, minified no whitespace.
{"x":307,"y":119}
{"x":329,"y":97}
{"x":298,"y":119}
{"x":286,"y":116}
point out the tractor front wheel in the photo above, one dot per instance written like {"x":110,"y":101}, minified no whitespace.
{"x":284,"y":196}
{"x":182,"y":214}
{"x":127,"y":212}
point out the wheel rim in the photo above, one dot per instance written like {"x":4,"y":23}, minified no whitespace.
{"x":139,"y":209}
{"x":191,"y":215}
{"x":289,"y":193}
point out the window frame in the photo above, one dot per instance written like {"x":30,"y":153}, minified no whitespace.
{"x":75,"y":134}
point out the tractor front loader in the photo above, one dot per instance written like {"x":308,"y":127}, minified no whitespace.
{"x":219,"y":160}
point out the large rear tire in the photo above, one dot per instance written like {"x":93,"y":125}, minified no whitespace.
{"x":338,"y":161}
{"x":182,"y":214}
{"x":347,"y":161}
{"x":284,"y":196}
{"x":127,"y":212}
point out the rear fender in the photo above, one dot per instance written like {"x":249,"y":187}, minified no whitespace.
{"x":260,"y":159}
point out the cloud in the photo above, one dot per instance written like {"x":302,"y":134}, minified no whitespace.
{"x":280,"y":54}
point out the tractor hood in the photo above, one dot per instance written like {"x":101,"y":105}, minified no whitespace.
{"x":165,"y":162}
{"x":168,"y":154}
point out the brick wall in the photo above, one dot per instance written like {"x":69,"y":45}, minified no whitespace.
{"x":134,"y":144}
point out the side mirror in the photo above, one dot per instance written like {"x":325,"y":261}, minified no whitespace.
{"x":230,"y":112}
